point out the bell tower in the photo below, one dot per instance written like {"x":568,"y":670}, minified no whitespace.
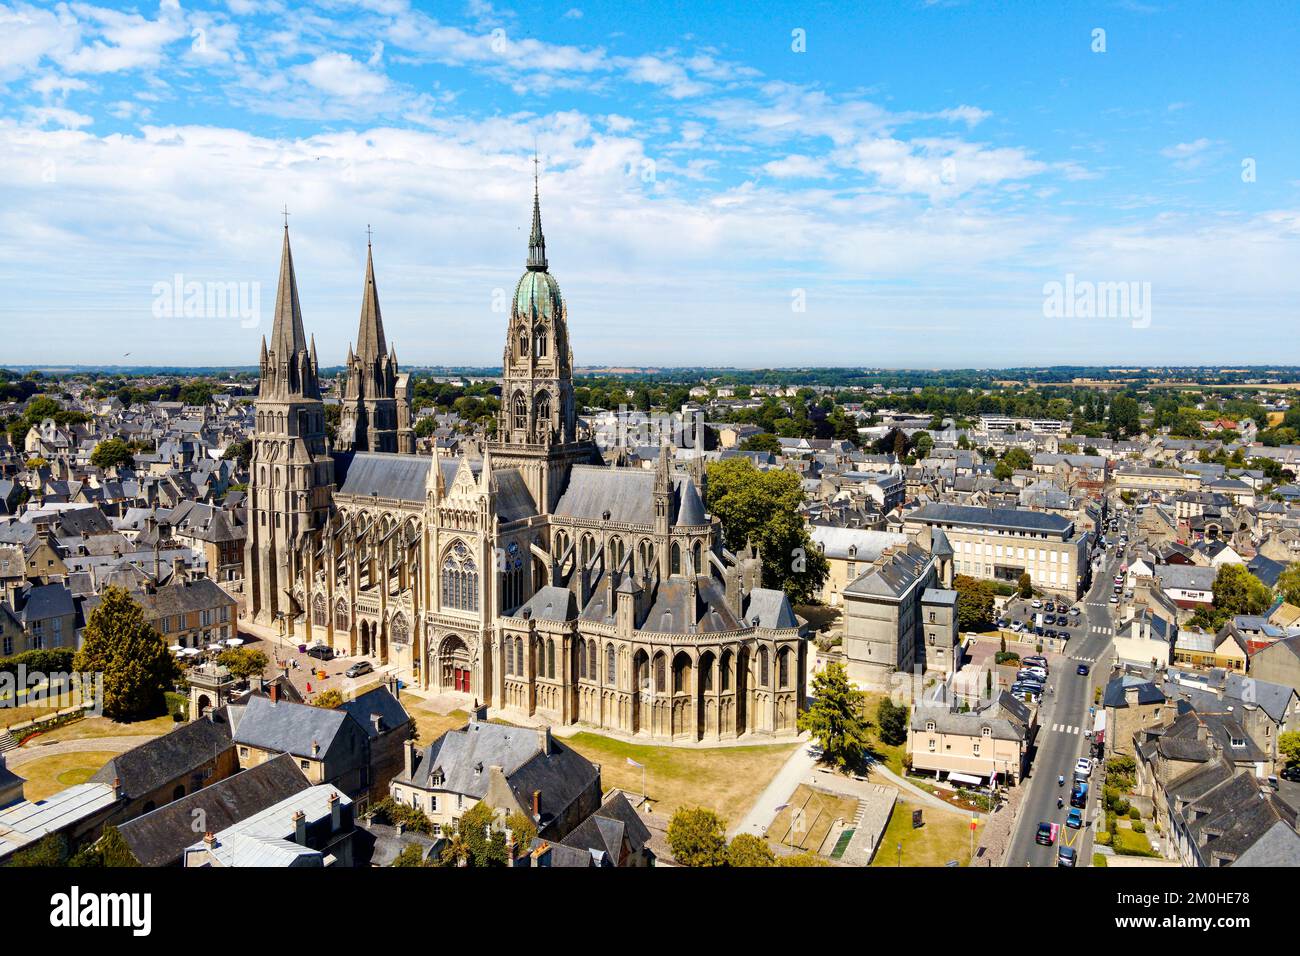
{"x":291,"y":476}
{"x":537,"y":427}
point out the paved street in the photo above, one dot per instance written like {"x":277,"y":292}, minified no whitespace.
{"x":1064,"y":721}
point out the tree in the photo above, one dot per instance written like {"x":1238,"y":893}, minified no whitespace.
{"x":697,"y":837}
{"x":390,"y":813}
{"x":1123,"y":419}
{"x":802,"y":859}
{"x":1025,"y":585}
{"x":240,"y":452}
{"x":481,"y":842}
{"x":110,"y":850}
{"x":120,"y":644}
{"x":1288,"y":584}
{"x":763,"y":507}
{"x":892,"y":720}
{"x":243,"y":662}
{"x":1288,"y":745}
{"x":412,"y":855}
{"x":1236,"y":591}
{"x":835,"y":719}
{"x":522,"y":830}
{"x":749,"y":850}
{"x":329,"y":699}
{"x":974,"y":603}
{"x":112,"y":453}
{"x":49,"y":851}
{"x":763,"y":441}
{"x":196,"y":393}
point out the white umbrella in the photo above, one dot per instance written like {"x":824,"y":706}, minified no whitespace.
{"x":175,"y":648}
{"x":190,"y":651}
{"x":234,"y":641}
{"x":215,"y":647}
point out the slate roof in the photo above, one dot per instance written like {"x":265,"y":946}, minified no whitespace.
{"x":893,"y":576}
{"x":289,"y":727}
{"x":603,"y":833}
{"x":464,"y":757}
{"x":159,"y":838}
{"x":1007,"y":518}
{"x":835,"y":542}
{"x":401,"y":477}
{"x":171,"y":757}
{"x":1116,"y":694}
{"x":513,"y":500}
{"x":551,"y":603}
{"x":380,"y":701}
{"x":1006,"y":718}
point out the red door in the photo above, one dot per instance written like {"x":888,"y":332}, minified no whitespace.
{"x":461,"y":679}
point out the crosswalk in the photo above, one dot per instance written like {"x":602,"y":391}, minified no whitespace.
{"x":1067,"y":729}
{"x":1101,"y":629}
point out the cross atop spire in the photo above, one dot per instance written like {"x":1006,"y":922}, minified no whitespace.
{"x":536,"y":241}
{"x":368,"y":236}
{"x":285,"y":212}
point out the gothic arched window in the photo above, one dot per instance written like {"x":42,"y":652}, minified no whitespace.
{"x":591,"y":661}
{"x":459,"y":579}
{"x":543,"y":408}
{"x":519,"y":656}
{"x":540,"y":339}
{"x":523,"y":343}
{"x":611,"y":666}
{"x":520,"y":411}
{"x":510,"y":656}
{"x":550,"y":658}
{"x":401,"y":632}
{"x":319,"y":612}
{"x":582,"y":657}
{"x":762,"y":667}
{"x":675,"y":559}
{"x":341,"y":615}
{"x":783,"y":667}
{"x":659,"y":673}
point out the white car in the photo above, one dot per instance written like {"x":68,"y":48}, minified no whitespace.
{"x":1035,"y":603}
{"x":1083,"y":768}
{"x":1036,"y":671}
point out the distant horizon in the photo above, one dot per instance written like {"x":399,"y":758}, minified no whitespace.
{"x":935,"y":182}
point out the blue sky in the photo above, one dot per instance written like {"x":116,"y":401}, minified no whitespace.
{"x":899,"y":192}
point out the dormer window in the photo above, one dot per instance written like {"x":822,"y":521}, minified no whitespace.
{"x":929,"y":726}
{"x":986,"y":731}
{"x":1238,"y":743}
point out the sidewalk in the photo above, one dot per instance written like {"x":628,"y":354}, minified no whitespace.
{"x":796,"y":770}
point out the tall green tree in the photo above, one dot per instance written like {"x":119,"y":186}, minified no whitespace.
{"x":749,"y":850}
{"x":1236,"y":591}
{"x":763,"y":506}
{"x":137,"y":667}
{"x":1288,"y":584}
{"x":698,"y":837}
{"x":112,"y":453}
{"x":974,"y":603}
{"x":892,"y":720}
{"x":835,"y":718}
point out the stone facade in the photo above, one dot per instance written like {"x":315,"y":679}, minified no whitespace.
{"x":531,"y":577}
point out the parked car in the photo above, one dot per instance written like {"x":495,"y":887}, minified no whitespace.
{"x":1083,"y":768}
{"x":1035,"y":603}
{"x":1065,"y":856}
{"x":1079,"y":796}
{"x":1291,"y":773}
{"x":359,"y":669}
{"x":1074,"y":819}
{"x":1046,"y":834}
{"x":322,"y":652}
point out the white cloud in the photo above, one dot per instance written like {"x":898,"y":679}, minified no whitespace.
{"x":340,"y":75}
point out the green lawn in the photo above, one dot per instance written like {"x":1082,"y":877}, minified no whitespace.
{"x":91,"y":727}
{"x":1128,"y":843}
{"x":725,"y":779}
{"x":944,"y":837}
{"x":49,"y":775}
{"x":809,"y":818}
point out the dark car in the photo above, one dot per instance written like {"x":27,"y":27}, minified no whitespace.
{"x":1065,"y":856}
{"x":1074,"y":819}
{"x":1082,"y":670}
{"x":1291,"y":773}
{"x":322,"y":652}
{"x":359,"y":669}
{"x":1079,"y":796}
{"x":1046,"y":834}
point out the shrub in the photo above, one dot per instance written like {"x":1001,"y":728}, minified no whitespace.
{"x":1139,"y":826}
{"x":1103,"y":838}
{"x":1133,"y":814}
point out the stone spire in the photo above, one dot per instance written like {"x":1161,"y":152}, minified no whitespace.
{"x":536,"y":241}
{"x":370,"y":337}
{"x":287,"y":337}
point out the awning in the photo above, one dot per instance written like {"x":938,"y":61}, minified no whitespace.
{"x":954,"y":777}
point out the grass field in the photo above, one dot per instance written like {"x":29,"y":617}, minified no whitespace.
{"x":725,"y":779}
{"x":48,"y":775}
{"x":91,"y":727}
{"x":807,"y":821}
{"x":431,"y":725}
{"x":890,"y":756}
{"x":20,"y":715}
{"x":944,"y":837}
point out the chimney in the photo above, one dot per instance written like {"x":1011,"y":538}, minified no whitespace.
{"x":480,"y":713}
{"x":409,"y":761}
{"x":544,"y":739}
{"x":1202,"y":732}
{"x":300,"y":828}
{"x":315,"y":748}
{"x":336,"y":813}
{"x":377,"y":721}
{"x":178,"y":569}
{"x":537,"y":804}
{"x":117,"y":788}
{"x":209,"y":839}
{"x":274,"y":689}
{"x":1131,"y":696}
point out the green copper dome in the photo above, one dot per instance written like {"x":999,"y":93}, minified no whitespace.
{"x":538,"y":296}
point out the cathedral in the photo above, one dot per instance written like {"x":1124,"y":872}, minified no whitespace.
{"x":529,"y":576}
